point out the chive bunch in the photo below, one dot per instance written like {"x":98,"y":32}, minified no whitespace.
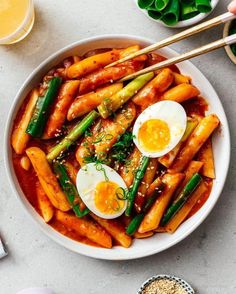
{"x":173,"y":11}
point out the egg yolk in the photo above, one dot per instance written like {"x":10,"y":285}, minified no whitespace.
{"x":106,"y":199}
{"x":154,"y":135}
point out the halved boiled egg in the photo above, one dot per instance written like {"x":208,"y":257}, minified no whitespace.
{"x":102,"y":190}
{"x":159,"y":128}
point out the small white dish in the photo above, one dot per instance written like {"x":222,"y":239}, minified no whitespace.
{"x":36,"y":291}
{"x":221,"y":143}
{"x":185,"y":23}
{"x":228,"y":48}
{"x":181,"y":282}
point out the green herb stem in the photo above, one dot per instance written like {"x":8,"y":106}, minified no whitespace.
{"x":69,"y":189}
{"x":42,"y":109}
{"x":136,"y":221}
{"x":137,"y":180}
{"x":73,"y":136}
{"x":112,"y":104}
{"x":182,"y":198}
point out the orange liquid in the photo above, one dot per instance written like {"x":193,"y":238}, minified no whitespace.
{"x":15,"y":14}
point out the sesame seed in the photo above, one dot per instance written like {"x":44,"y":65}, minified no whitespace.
{"x":164,"y":286}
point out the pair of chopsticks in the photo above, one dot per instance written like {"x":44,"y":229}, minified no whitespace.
{"x":181,"y":36}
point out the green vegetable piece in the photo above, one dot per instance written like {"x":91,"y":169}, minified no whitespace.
{"x":136,"y":221}
{"x":161,"y":4}
{"x":137,"y":180}
{"x":182,"y":198}
{"x":42,"y":109}
{"x":188,"y":11}
{"x":110,"y":105}
{"x":134,"y":224}
{"x":191,"y":125}
{"x":144,"y":4}
{"x":153,"y":13}
{"x":69,"y":189}
{"x":187,"y":2}
{"x":233,"y":48}
{"x":73,"y":136}
{"x":203,"y":6}
{"x":171,"y":13}
{"x":232,"y":31}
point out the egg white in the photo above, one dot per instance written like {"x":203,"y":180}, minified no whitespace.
{"x":87,"y":179}
{"x":170,"y":112}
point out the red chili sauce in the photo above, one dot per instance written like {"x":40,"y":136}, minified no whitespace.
{"x":28,"y":179}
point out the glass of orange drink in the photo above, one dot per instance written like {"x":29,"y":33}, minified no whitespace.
{"x":16,"y":20}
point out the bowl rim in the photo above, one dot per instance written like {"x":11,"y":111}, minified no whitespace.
{"x":228,"y":48}
{"x":182,"y":23}
{"x":99,"y":253}
{"x":178,"y":280}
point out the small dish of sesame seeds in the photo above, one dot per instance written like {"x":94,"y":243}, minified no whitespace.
{"x":165,"y":284}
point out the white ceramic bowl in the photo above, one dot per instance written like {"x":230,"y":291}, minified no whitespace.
{"x":159,"y":242}
{"x":184,"y":23}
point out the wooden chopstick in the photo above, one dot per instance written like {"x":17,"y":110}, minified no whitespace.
{"x":180,"y":36}
{"x":185,"y":56}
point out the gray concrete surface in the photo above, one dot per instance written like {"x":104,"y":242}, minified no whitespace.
{"x":206,"y":259}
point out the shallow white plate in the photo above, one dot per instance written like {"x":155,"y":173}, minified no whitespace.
{"x":184,"y":23}
{"x":159,"y":242}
